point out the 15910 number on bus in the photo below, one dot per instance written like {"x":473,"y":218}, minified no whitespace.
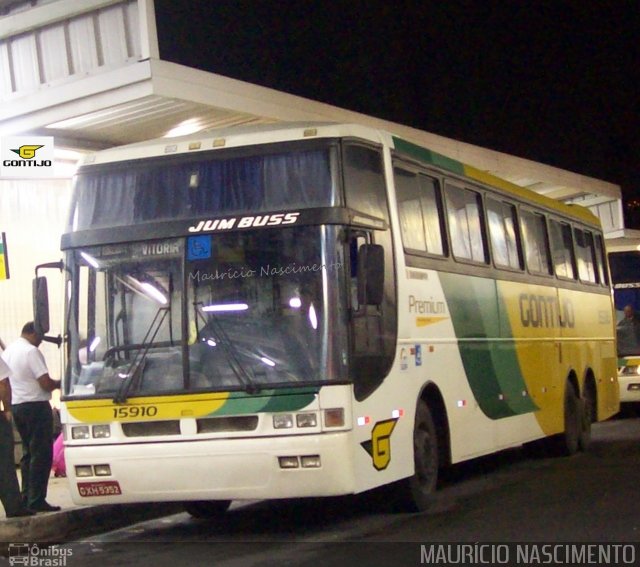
{"x":128,"y":412}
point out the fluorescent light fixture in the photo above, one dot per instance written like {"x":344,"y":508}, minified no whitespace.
{"x":153,"y":293}
{"x":90,"y":260}
{"x":267,"y":361}
{"x":184,"y":128}
{"x":313,"y":318}
{"x":94,"y":344}
{"x":221,"y":307}
{"x":295,"y":302}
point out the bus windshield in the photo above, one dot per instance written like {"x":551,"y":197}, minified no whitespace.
{"x":625,"y":274}
{"x":239,"y":310}
{"x":211,"y":183}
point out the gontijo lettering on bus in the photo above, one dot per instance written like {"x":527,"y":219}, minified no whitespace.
{"x":537,"y":310}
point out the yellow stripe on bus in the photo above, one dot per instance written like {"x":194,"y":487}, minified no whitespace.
{"x":140,"y":409}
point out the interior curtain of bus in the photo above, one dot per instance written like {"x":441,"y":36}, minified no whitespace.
{"x":125,"y":194}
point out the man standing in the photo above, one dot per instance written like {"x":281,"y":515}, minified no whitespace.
{"x":9,"y":488}
{"x":31,"y":391}
{"x":628,"y":332}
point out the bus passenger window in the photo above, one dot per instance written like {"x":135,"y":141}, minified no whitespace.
{"x":502,"y":233}
{"x":463,"y":213}
{"x":419,"y":211}
{"x":585,"y":251}
{"x":364,"y":181}
{"x":562,"y":250}
{"x":536,"y":243}
{"x":603,"y":274}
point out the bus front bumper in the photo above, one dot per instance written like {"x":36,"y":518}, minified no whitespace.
{"x":219,"y":469}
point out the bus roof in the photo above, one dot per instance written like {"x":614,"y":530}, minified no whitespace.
{"x":234,"y":137}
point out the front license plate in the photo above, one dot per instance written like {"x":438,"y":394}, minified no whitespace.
{"x":102,"y":488}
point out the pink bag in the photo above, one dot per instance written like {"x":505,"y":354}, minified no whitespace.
{"x":58,"y":467}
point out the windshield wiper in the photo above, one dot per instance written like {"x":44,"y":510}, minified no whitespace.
{"x":136,"y":367}
{"x":240,"y":372}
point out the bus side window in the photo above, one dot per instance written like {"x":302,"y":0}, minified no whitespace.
{"x":503,"y":234}
{"x":562,"y":250}
{"x":419,"y":209}
{"x":536,"y":242}
{"x":364,"y":181}
{"x":603,"y":274}
{"x":464,"y":214}
{"x":585,"y":251}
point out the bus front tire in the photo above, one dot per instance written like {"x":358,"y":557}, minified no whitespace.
{"x":207,"y":509}
{"x":416,"y":492}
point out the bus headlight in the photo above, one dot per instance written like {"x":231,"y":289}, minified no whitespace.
{"x":84,"y":471}
{"x":80,"y":432}
{"x":283,"y":421}
{"x":288,"y":462}
{"x":102,"y":470}
{"x":306,"y":420}
{"x":101,"y":431}
{"x":310,"y":461}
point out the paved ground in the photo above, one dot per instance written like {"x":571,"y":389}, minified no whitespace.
{"x":74,"y":520}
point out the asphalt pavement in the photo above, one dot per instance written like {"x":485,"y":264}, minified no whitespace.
{"x":74,"y":521}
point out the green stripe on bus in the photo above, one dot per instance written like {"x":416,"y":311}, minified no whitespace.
{"x":491,"y":366}
{"x":428,"y":156}
{"x":288,"y":399}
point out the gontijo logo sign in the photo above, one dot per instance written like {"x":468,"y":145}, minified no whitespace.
{"x":24,"y":156}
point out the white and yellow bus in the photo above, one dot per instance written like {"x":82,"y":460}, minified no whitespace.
{"x":625,"y":277}
{"x":319,"y":309}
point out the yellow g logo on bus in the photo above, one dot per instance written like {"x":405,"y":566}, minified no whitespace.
{"x":379,"y":446}
{"x":27,"y":151}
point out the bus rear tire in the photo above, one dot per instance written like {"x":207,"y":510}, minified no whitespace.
{"x":588,"y":417}
{"x":568,"y":442}
{"x":207,"y":509}
{"x":416,"y":492}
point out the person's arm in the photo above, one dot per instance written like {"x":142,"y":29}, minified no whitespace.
{"x":5,"y":398}
{"x":47,"y":383}
{"x":39,"y":368}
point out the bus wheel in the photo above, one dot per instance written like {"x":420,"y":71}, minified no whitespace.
{"x":207,"y":509}
{"x":573,"y":421}
{"x":587,"y":417}
{"x":417,"y":490}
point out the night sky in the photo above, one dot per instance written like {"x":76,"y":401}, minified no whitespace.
{"x":555,"y":82}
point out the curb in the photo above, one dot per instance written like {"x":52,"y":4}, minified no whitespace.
{"x":58,"y":527}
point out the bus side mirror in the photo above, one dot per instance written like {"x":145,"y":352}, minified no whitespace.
{"x":40,"y":305}
{"x":370,"y":274}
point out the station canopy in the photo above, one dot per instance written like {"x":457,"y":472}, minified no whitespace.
{"x":90,"y":74}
